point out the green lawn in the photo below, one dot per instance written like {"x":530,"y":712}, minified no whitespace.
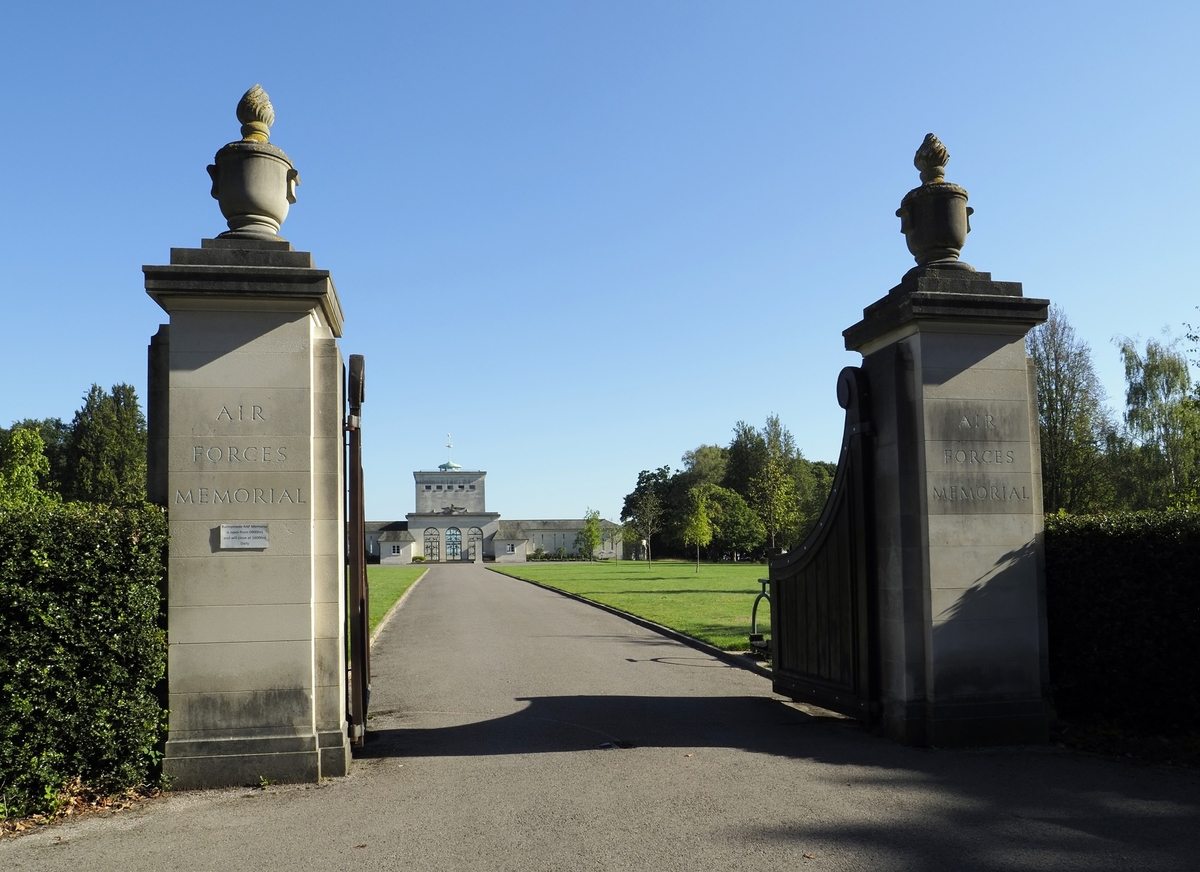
{"x":386,"y":585}
{"x":713,"y":606}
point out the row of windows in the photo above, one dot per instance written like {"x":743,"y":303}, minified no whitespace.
{"x":449,"y":487}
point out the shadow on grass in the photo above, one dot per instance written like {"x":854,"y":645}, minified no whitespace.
{"x":658,"y":591}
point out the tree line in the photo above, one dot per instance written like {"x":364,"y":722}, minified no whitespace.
{"x":1093,"y":461}
{"x":757,"y":494}
{"x":100,"y":457}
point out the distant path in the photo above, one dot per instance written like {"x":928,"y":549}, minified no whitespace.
{"x":515,"y":729}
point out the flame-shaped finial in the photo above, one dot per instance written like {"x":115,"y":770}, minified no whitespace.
{"x":931,"y":160}
{"x":255,"y":112}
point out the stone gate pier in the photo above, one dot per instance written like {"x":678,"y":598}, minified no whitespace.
{"x":918,"y":601}
{"x":957,"y":487}
{"x":245,"y":413}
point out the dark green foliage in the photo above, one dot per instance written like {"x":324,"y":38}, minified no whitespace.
{"x":81,"y":649}
{"x":1123,"y":611}
{"x":106,"y":451}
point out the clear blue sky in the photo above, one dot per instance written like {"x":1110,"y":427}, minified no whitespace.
{"x":586,"y":237}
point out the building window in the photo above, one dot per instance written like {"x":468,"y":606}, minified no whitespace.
{"x":433,"y":544}
{"x":474,"y":544}
{"x":428,"y":487}
{"x":439,"y":487}
{"x":471,"y":487}
{"x":395,"y":549}
{"x":460,"y":487}
{"x":510,"y":548}
{"x":454,"y":544}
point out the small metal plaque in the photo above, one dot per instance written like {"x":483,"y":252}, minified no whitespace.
{"x":247,"y":536}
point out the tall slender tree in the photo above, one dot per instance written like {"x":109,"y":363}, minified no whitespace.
{"x":1072,"y":421}
{"x":697,"y":528}
{"x":587,"y":540}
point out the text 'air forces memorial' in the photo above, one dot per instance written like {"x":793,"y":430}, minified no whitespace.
{"x":245,"y":413}
{"x":919,"y":602}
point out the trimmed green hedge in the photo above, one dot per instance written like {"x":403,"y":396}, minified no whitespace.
{"x":1123,"y":612}
{"x":82,"y":650}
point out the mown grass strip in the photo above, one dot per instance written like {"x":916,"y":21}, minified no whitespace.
{"x":387,"y":584}
{"x":713,"y":605}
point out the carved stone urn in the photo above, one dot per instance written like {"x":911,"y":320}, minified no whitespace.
{"x":935,"y":218}
{"x":253,"y":180}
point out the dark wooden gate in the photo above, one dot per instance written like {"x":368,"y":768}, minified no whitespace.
{"x":358,"y":609}
{"x":824,"y":633}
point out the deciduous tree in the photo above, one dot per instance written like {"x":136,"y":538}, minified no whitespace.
{"x":587,"y":540}
{"x":1162,"y":420}
{"x":697,"y":528}
{"x":643,"y":509}
{"x":21,"y":464}
{"x":1072,"y":421}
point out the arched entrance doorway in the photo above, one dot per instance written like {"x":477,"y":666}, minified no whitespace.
{"x":433,"y":543}
{"x":474,"y":544}
{"x":453,"y":544}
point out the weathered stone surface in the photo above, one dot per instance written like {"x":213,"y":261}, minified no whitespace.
{"x":252,"y":436}
{"x":958,"y":509}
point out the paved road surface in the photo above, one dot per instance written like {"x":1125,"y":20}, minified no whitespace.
{"x":518,"y":730}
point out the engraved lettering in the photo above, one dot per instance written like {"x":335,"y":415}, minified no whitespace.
{"x":266,"y":453}
{"x":1010,"y":457}
{"x":258,"y":495}
{"x":246,"y":454}
{"x":256,"y":413}
{"x":196,"y":452}
{"x":286,"y":496}
{"x":182,"y":497}
{"x":233,"y":454}
{"x":202,"y":497}
{"x":220,"y":497}
{"x":977,"y":422}
{"x":209,"y":454}
{"x":281,"y":451}
{"x":241,"y":495}
{"x":224,"y":413}
{"x":948,"y":453}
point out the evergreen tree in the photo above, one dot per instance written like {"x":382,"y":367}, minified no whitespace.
{"x":106,"y":451}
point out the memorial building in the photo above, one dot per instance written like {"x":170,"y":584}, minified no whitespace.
{"x":451,"y":524}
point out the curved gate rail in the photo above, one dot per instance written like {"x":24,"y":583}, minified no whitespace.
{"x":824,"y":634}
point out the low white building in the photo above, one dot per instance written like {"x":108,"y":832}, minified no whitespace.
{"x":451,"y":524}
